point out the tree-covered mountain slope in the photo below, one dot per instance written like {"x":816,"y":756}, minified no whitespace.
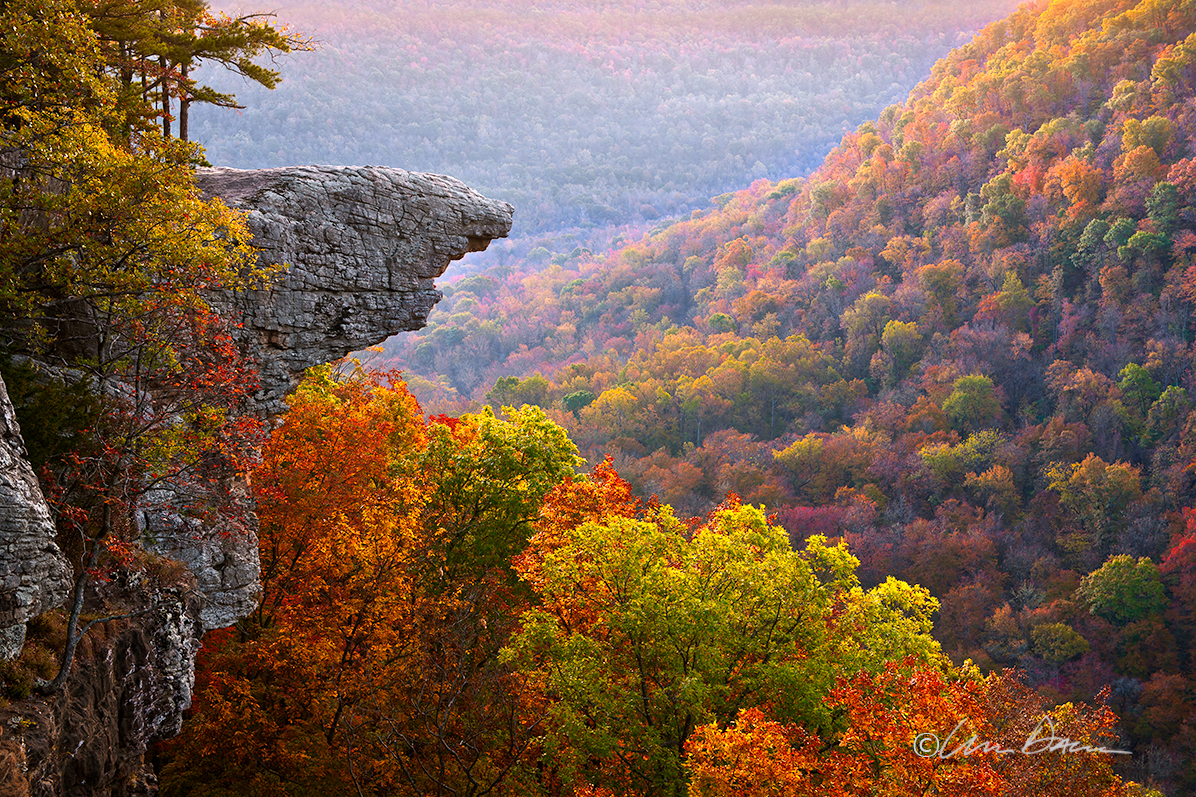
{"x":964,"y":343}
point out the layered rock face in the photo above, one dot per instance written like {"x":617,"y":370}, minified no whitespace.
{"x":128,"y":688}
{"x":34,"y":575}
{"x":361,"y":247}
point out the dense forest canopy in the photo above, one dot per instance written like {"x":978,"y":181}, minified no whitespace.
{"x":447,"y":609}
{"x":759,"y":501}
{"x":964,"y":343}
{"x":586,"y":114}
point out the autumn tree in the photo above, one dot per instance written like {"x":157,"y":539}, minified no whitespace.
{"x":644,"y":632}
{"x":337,"y":542}
{"x":448,"y":719}
{"x":973,"y":403}
{"x":988,"y":736}
{"x":386,"y":546}
{"x":886,"y":742}
{"x":1098,"y":493}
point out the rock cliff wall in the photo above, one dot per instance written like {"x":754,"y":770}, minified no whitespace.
{"x":34,"y":575}
{"x":130,"y":684}
{"x":362,"y":246}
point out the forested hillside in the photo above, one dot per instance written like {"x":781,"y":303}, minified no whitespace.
{"x":586,"y":114}
{"x":768,"y":502}
{"x":448,"y":609}
{"x":963,"y":344}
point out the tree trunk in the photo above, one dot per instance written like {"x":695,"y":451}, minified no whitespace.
{"x":184,"y":102}
{"x":72,"y":626}
{"x":165,"y":99}
{"x":126,"y":87}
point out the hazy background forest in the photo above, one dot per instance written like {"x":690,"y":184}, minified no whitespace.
{"x":584,"y":114}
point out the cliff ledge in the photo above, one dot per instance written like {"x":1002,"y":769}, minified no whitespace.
{"x":361,"y":248}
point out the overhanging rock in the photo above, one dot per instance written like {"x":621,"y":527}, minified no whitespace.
{"x":363,"y":244}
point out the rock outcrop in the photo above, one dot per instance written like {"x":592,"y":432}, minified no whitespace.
{"x":362,"y":246}
{"x":34,"y":575}
{"x":130,"y":684}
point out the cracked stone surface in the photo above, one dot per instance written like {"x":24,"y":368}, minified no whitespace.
{"x":34,"y":575}
{"x":363,"y":245}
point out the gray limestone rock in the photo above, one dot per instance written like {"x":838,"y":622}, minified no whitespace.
{"x":34,"y":575}
{"x":362,"y":246}
{"x":221,"y":552}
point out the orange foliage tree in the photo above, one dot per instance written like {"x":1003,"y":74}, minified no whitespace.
{"x":908,"y":730}
{"x":371,"y":663}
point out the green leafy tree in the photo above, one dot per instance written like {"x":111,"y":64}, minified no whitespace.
{"x":1166,"y":415}
{"x":1058,"y":642}
{"x":1123,"y":590}
{"x":511,"y":391}
{"x":864,"y":324}
{"x":576,"y":401}
{"x":973,"y":404}
{"x":1014,"y":302}
{"x":902,"y":341}
{"x":1003,"y":209}
{"x":643,"y":632}
{"x":1138,"y":390}
{"x":1162,"y":207}
{"x":489,"y":485}
{"x":152,"y":47}
{"x":721,"y":322}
